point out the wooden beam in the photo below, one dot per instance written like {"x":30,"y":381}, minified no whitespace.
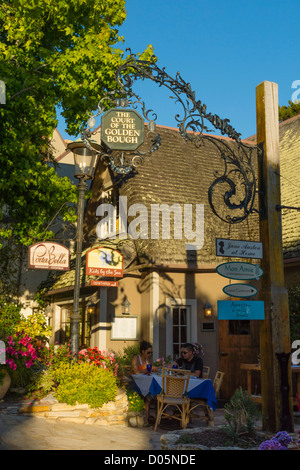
{"x":274,"y":330}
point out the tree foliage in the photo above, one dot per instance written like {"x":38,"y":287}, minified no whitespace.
{"x":286,"y":112}
{"x":53,"y":53}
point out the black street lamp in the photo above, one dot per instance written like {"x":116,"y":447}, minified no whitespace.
{"x":85,"y":162}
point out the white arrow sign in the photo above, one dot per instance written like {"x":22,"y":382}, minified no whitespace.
{"x":240,"y":290}
{"x":240,"y":271}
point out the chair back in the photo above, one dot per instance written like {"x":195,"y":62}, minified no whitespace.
{"x":175,"y":382}
{"x":205,"y":372}
{"x":218,"y":381}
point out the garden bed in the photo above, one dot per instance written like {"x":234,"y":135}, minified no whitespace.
{"x":218,"y":438}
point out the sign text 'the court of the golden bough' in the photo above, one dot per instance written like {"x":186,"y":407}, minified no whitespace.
{"x":122,"y":129}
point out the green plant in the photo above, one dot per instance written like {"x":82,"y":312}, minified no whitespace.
{"x":240,"y":415}
{"x":42,"y":383}
{"x":84,"y":383}
{"x":124,"y":357}
{"x":10,"y":316}
{"x":34,"y":325}
{"x":135,"y":402}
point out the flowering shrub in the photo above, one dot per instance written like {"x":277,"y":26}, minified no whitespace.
{"x":20,"y":351}
{"x":103,"y":359}
{"x":34,"y":325}
{"x":135,"y":401}
{"x":163,"y":362}
{"x":278,"y":442}
{"x":197,"y":349}
{"x":84,"y":384}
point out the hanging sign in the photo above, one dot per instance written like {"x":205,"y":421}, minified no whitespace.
{"x":122,"y":129}
{"x":101,"y":283}
{"x":240,"y":290}
{"x":241,"y":310}
{"x":49,"y":255}
{"x":240,"y":271}
{"x":239,"y":248}
{"x":104,"y":262}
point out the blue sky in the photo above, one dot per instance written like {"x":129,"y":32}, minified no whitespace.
{"x":223,"y":49}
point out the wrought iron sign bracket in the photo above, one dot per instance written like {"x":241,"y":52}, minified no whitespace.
{"x":238,"y":177}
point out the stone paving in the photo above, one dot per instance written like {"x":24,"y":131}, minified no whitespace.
{"x":24,"y":432}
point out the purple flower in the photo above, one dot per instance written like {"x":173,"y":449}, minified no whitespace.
{"x":283,"y":438}
{"x":272,"y":444}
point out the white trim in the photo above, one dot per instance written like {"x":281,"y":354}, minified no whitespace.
{"x":192,"y":322}
{"x":154,"y":313}
{"x":102,"y":315}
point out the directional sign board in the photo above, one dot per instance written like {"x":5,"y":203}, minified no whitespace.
{"x":240,"y":290}
{"x":241,"y":310}
{"x":240,"y":271}
{"x":239,"y":248}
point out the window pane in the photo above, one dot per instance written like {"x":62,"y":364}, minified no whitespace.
{"x":175,"y":334}
{"x":239,"y":327}
{"x":183,"y":335}
{"x":175,"y":316}
{"x":183,"y":316}
{"x":175,"y":350}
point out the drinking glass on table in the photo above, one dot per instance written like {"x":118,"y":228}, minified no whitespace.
{"x":149,"y":367}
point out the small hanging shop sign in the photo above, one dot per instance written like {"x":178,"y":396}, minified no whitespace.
{"x":104,"y":262}
{"x":101,"y":283}
{"x":240,"y":290}
{"x":49,"y":255}
{"x":241,"y":310}
{"x":239,"y":248}
{"x":240,"y":271}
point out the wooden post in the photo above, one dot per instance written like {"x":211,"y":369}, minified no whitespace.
{"x":277,"y":405}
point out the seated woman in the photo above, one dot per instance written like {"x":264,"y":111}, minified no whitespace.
{"x":140,"y":361}
{"x":139,"y":366}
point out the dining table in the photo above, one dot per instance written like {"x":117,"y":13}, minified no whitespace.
{"x":145,"y":384}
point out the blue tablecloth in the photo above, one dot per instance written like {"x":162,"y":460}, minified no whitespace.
{"x":198,"y":388}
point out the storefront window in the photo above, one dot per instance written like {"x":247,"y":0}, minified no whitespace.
{"x":239,"y":327}
{"x":180,"y":329}
{"x":84,"y":327}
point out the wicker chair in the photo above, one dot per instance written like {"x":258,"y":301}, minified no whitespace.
{"x":205,"y":372}
{"x":173,"y":393}
{"x":201,"y":403}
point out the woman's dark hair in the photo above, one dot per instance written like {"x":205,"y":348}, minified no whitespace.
{"x":145,"y":345}
{"x":188,"y":346}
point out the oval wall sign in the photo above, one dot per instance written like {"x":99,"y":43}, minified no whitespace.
{"x":240,"y":290}
{"x":240,"y":271}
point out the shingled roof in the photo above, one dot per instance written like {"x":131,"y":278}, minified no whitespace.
{"x":179,"y":173}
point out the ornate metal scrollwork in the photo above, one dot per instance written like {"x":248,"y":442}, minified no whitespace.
{"x":234,"y":190}
{"x":123,"y":162}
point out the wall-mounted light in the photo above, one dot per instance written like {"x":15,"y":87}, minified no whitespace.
{"x":208,"y":310}
{"x":90,"y":308}
{"x":126,"y":306}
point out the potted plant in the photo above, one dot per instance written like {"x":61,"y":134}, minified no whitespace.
{"x":5,"y":381}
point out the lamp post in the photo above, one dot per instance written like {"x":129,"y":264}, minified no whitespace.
{"x":84,"y":160}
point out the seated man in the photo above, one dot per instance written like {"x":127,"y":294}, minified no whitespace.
{"x":189,"y":361}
